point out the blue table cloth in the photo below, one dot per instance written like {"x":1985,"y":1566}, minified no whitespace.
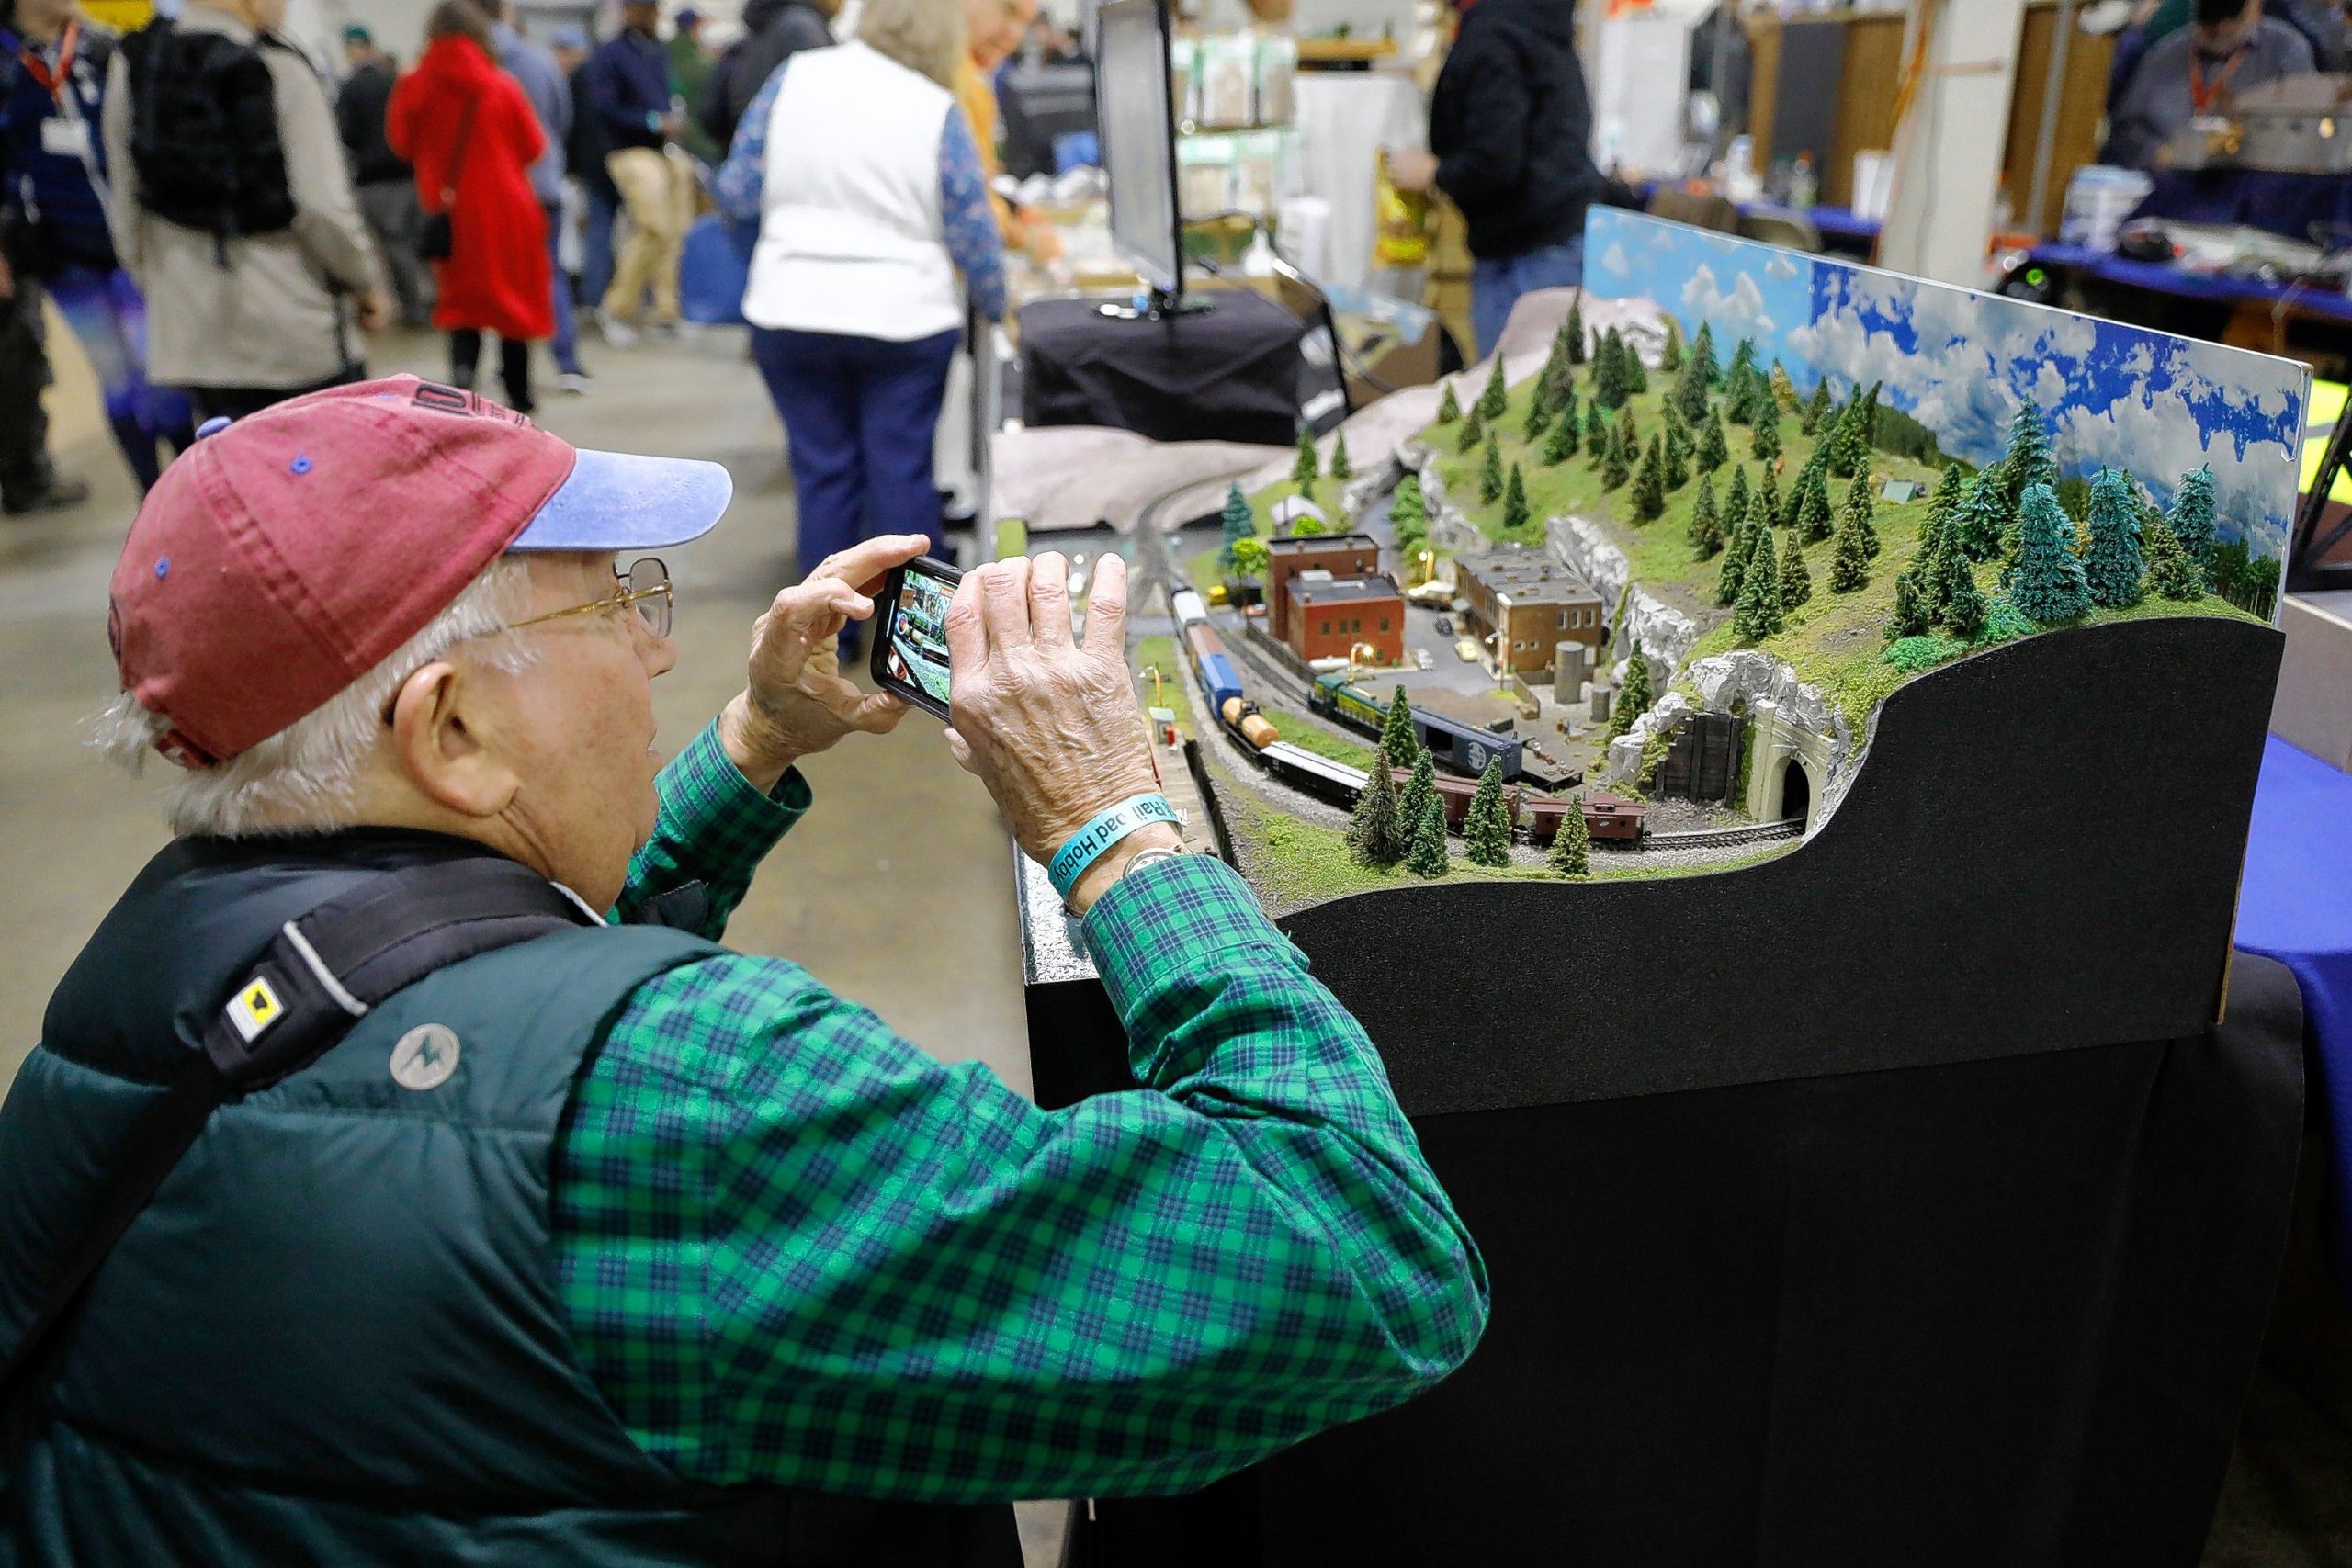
{"x":2295,"y":907}
{"x":2280,"y":203}
{"x":2161,"y":279}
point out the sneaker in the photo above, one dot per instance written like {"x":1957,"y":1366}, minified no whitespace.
{"x":573,"y":382}
{"x":59,"y":495}
{"x":617,"y":332}
{"x":666,"y":331}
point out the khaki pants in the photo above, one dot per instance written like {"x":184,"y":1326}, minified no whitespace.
{"x":657,"y":194}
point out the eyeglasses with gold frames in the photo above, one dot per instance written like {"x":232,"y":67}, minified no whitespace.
{"x":645,"y":587}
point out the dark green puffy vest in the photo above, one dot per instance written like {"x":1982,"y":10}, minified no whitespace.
{"x":335,"y":1336}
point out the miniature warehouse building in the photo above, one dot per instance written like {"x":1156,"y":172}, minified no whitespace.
{"x":1532,"y":599}
{"x":1344,"y":617}
{"x":1340,"y":555}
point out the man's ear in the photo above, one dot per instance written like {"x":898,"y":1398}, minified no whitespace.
{"x":439,"y":742}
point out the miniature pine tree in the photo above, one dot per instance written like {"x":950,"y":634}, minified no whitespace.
{"x":1929,"y":567}
{"x":1497,"y":392}
{"x":1560,"y":444}
{"x":1669,"y":358}
{"x":1714,"y":451}
{"x":1870,"y":418}
{"x":1488,"y":829}
{"x":1784,"y":391}
{"x":1743,"y":362}
{"x":1637,"y":376}
{"x":2173,"y":573}
{"x":1740,"y":394}
{"x":1650,"y":483}
{"x":1943,"y":506}
{"x":2027,"y":462}
{"x":1375,"y":830}
{"x":1408,"y":509}
{"x":1397,"y":747}
{"x":1309,"y":466}
{"x":1633,"y":698}
{"x":1539,"y":417}
{"x":1736,"y":503}
{"x":1759,"y":614}
{"x":1983,"y":517}
{"x":1813,"y":519}
{"x":1615,"y":467}
{"x":1689,"y":392}
{"x":1767,"y":498}
{"x":1816,"y":409}
{"x":1515,"y":511}
{"x":1676,"y":468}
{"x":2113,"y":564}
{"x":1965,"y":607}
{"x":1572,"y":846}
{"x":1474,"y":429}
{"x":1735,"y":566}
{"x":1677,"y":429}
{"x":1427,"y":857}
{"x":2191,"y":517}
{"x":1910,"y":617}
{"x":1850,"y":566}
{"x":1556,"y":377}
{"x":1490,"y":473}
{"x":1796,"y":580}
{"x":1420,"y":788}
{"x":1596,"y":434}
{"x":1766,"y":443}
{"x":1629,"y":436}
{"x":1237,"y":522}
{"x":1608,"y":372}
{"x":1574,"y":331}
{"x":2047,"y":585}
{"x":1847,"y":454}
{"x":1448,"y":407}
{"x":1706,"y":524}
{"x":1341,"y":467}
{"x":1862,"y":502}
{"x":1703,"y":351}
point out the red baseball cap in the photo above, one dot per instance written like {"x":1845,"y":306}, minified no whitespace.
{"x":285,"y":554}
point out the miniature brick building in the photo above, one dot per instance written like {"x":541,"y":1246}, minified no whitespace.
{"x":1341,"y":554}
{"x":1330,"y":617}
{"x":1532,"y":599}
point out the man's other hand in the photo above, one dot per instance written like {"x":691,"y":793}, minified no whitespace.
{"x":796,"y":701}
{"x":375,"y":315}
{"x":1409,"y":168}
{"x":1051,"y":726}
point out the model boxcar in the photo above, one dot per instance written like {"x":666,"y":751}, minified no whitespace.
{"x":1607,"y":818}
{"x":1457,"y":794}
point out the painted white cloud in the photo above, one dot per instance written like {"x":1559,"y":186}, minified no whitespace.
{"x":1614,"y":261}
{"x":1780,"y":265}
{"x":1735,"y":315}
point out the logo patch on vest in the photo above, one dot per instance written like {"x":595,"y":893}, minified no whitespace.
{"x":254,"y":1008}
{"x":426,"y":1056}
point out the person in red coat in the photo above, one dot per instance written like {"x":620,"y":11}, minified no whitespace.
{"x":472,"y":133}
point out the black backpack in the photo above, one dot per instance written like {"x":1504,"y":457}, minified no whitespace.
{"x":204,"y":132}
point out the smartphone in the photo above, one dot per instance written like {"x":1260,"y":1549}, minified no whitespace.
{"x":910,"y":643}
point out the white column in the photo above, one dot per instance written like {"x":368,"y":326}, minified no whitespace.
{"x":1947,"y":150}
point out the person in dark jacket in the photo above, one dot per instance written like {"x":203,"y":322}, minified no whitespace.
{"x":54,"y":219}
{"x":773,"y":31}
{"x":628,"y":92}
{"x":386,"y":189}
{"x":1509,"y":128}
{"x":583,"y":157}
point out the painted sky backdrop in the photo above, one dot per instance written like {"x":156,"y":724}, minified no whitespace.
{"x":1961,"y":363}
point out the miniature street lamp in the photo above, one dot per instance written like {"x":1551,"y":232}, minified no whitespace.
{"x":1352,"y":646}
{"x":1502,"y":666}
{"x":1427,"y":559}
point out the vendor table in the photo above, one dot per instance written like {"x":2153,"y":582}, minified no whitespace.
{"x":2296,"y":905}
{"x":1229,"y":373}
{"x":2286,"y":204}
{"x":2156,"y":277}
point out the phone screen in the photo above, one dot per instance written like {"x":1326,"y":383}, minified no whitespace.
{"x":910,"y":656}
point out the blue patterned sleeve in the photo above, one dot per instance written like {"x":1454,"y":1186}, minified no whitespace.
{"x":972,"y":235}
{"x":741,"y":178}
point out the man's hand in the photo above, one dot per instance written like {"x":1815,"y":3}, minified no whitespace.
{"x":796,"y":702}
{"x":1040,"y":239}
{"x":373,"y":312}
{"x":1050,"y":726}
{"x":1409,"y":168}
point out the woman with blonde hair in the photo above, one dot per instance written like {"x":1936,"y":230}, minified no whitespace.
{"x":852,"y":298}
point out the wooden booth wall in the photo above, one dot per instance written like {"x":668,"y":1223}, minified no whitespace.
{"x":1871,"y":69}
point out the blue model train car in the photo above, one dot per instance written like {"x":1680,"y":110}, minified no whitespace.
{"x":1206,"y":649}
{"x":1464,"y":747}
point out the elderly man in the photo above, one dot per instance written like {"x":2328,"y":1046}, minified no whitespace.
{"x":597,"y":1241}
{"x":2230,"y":47}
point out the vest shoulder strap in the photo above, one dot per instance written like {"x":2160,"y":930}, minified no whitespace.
{"x":319,"y":975}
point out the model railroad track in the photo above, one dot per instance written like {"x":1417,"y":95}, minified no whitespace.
{"x":1727,"y":838}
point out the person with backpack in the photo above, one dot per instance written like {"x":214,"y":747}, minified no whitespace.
{"x":53,"y":223}
{"x":473,"y":137}
{"x":232,"y":209}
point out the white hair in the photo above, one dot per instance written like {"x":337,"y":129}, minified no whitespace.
{"x":301,"y":778}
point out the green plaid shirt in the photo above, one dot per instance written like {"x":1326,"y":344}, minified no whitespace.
{"x":796,"y":1249}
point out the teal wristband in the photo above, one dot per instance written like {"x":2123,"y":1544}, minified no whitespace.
{"x":1087,"y":845}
